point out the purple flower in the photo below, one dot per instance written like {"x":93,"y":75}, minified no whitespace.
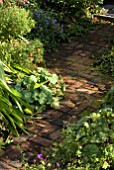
{"x":57,"y":164}
{"x":54,"y":21}
{"x":47,"y":21}
{"x":37,"y":14}
{"x":39,"y":156}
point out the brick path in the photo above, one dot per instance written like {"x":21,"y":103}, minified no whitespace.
{"x":85,"y":88}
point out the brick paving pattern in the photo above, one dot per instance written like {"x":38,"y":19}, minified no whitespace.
{"x":85,"y":87}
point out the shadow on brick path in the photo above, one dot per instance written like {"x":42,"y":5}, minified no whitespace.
{"x":84,"y":86}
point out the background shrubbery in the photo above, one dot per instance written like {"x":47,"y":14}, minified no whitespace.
{"x":14,"y":21}
{"x":73,"y":8}
{"x":105,"y":62}
{"x":22,"y":51}
{"x":58,"y":21}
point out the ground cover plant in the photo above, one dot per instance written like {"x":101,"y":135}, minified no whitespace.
{"x":105,"y":62}
{"x":87,"y":143}
{"x":39,"y":88}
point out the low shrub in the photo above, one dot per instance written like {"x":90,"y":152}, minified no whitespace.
{"x":22,"y":52}
{"x":47,"y":29}
{"x":40,"y":88}
{"x":105,"y":63}
{"x":14,"y":21}
{"x":73,"y":8}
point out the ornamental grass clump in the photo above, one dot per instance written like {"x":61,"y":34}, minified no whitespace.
{"x":12,"y":115}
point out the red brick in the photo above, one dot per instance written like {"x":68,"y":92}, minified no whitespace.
{"x":77,"y":84}
{"x":69,"y":81}
{"x":91,"y":87}
{"x":42,"y":141}
{"x":5,"y":166}
{"x":54,"y":115}
{"x":48,"y":129}
{"x":63,"y":108}
{"x":68,"y":103}
{"x":83,"y":90}
{"x":55,"y":135}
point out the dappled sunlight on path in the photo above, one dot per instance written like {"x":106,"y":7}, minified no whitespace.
{"x":85,"y":87}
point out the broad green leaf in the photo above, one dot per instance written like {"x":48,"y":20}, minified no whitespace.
{"x":53,"y":79}
{"x":5,"y":100}
{"x":37,"y":85}
{"x":105,"y":165}
{"x":28,"y":96}
{"x":2,"y":74}
{"x":25,"y":70}
{"x":33,"y":78}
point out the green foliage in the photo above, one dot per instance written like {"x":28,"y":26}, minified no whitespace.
{"x":108,"y":100}
{"x":105,"y":62}
{"x":13,"y":46}
{"x":73,"y":8}
{"x":20,"y":87}
{"x":87,"y":144}
{"x":11,"y":111}
{"x":47,"y":29}
{"x":14,"y":21}
{"x":39,"y":88}
{"x":22,"y":52}
{"x":52,"y":29}
{"x":56,"y":23}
